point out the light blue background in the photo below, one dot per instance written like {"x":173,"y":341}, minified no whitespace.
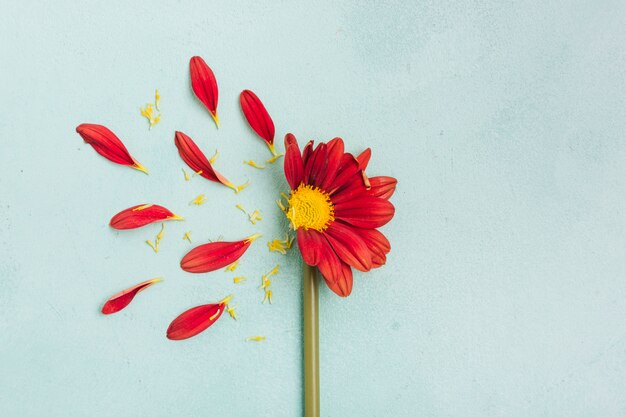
{"x":505,"y":292}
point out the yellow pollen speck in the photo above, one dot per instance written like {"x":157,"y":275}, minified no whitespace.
{"x":238,"y":280}
{"x":237,"y":188}
{"x":274,"y":158}
{"x":280,"y":246}
{"x":232,"y":267}
{"x":254,"y":164}
{"x":157,"y":99}
{"x":254,"y":217}
{"x":226,"y":300}
{"x":255,"y":339}
{"x":310,"y":208}
{"x":197,"y":173}
{"x":265,"y":282}
{"x":187,"y":178}
{"x":198,"y":201}
{"x":149,"y":113}
{"x":214,"y":157}
{"x":187,"y":236}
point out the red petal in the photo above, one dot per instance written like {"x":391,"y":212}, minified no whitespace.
{"x":311,"y":244}
{"x":337,"y":274}
{"x":335,"y":150}
{"x":316,"y":165}
{"x":257,"y":116}
{"x":382,"y":187}
{"x":366,"y":212}
{"x":348,"y":169}
{"x":377,"y":243}
{"x":204,"y":85}
{"x":307,"y":151}
{"x":141,"y":215}
{"x":351,"y":190}
{"x":120,"y":300}
{"x":107,"y":144}
{"x":195,"y":159}
{"x":294,"y":168}
{"x":215,"y":255}
{"x":194,"y":321}
{"x":364,"y":158}
{"x":349,"y":246}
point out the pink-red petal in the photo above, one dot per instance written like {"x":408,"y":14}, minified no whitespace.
{"x":196,"y":160}
{"x":378,"y":245}
{"x":316,"y":166}
{"x":335,"y":150}
{"x":336,"y":273}
{"x":107,"y":144}
{"x":257,"y":116}
{"x":215,"y":255}
{"x":141,"y":215}
{"x":294,"y":168}
{"x":204,"y":85}
{"x":194,"y":321}
{"x":311,"y":244}
{"x":382,"y":187}
{"x":366,"y":212}
{"x":349,"y":246}
{"x":120,"y":300}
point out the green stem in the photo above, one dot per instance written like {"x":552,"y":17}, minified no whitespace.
{"x":311,"y":343}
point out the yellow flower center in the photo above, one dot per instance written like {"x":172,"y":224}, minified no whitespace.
{"x":310,"y":208}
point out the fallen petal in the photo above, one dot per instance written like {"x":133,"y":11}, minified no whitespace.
{"x":258,"y":117}
{"x":120,"y":300}
{"x":215,"y":255}
{"x":382,"y":187}
{"x":204,"y":85}
{"x":198,"y":162}
{"x":195,"y":320}
{"x":107,"y":144}
{"x":141,"y":215}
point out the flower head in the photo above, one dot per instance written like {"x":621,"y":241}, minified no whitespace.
{"x":335,"y":210}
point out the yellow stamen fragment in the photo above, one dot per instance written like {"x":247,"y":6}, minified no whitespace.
{"x":154,"y":247}
{"x":226,"y":300}
{"x":310,"y":208}
{"x":231,"y":311}
{"x":255,"y":339}
{"x":265,"y":282}
{"x":232,"y":267}
{"x":141,"y":168}
{"x":254,"y":164}
{"x":240,"y":207}
{"x":160,"y":235}
{"x":266,"y":296}
{"x":214,"y":157}
{"x":269,"y":296}
{"x":281,"y":246}
{"x":145,"y":206}
{"x":157,"y":99}
{"x":187,"y":236}
{"x":198,"y":201}
{"x":274,"y":271}
{"x":274,"y":158}
{"x":187,"y":178}
{"x":237,"y":188}
{"x":147,"y":112}
{"x":281,"y":206}
{"x":238,"y":280}
{"x":197,"y":173}
{"x":255,"y":216}
{"x":253,"y":237}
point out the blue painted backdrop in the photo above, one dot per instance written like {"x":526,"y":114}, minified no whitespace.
{"x":504,"y":122}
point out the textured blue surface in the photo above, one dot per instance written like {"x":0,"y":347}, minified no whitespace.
{"x":504,"y":122}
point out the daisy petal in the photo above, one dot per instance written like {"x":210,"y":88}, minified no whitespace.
{"x":194,"y":321}
{"x":257,"y":116}
{"x":337,"y":274}
{"x":349,"y":246}
{"x":311,"y":244}
{"x":120,"y":300}
{"x":366,"y":212}
{"x":204,"y":85}
{"x":378,"y":245}
{"x":107,"y":144}
{"x":141,"y":215}
{"x":348,"y":169}
{"x":382,"y":187}
{"x":294,"y":168}
{"x":316,"y":165}
{"x":335,"y":151}
{"x":215,"y":255}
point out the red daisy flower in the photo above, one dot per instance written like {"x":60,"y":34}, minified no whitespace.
{"x":335,"y":211}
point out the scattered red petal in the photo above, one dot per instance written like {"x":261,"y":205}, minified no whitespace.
{"x":196,"y":160}
{"x":141,"y":215}
{"x":204,"y":85}
{"x":194,"y":321}
{"x":215,"y":255}
{"x":258,"y":117}
{"x":107,"y":144}
{"x":120,"y":300}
